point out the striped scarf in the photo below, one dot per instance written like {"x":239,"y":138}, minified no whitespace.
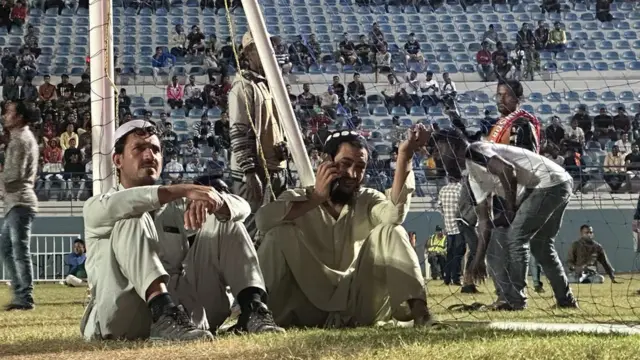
{"x":501,"y":131}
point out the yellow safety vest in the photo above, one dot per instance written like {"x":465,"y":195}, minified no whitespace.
{"x":437,"y":244}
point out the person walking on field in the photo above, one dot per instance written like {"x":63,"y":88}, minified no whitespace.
{"x":20,"y":204}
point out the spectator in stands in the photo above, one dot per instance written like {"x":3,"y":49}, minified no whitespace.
{"x":603,"y":122}
{"x":18,"y":16}
{"x":575,"y":133}
{"x":178,"y":42}
{"x":194,"y":168}
{"x":9,"y":63}
{"x":517,"y":57}
{"x":554,"y":132}
{"x":282,"y":54}
{"x":203,"y":132}
{"x":624,"y":144}
{"x":363,"y":51}
{"x":221,"y":130}
{"x":603,"y":10}
{"x":339,"y":89}
{"x":383,"y":60}
{"x":632,"y":162}
{"x":124,"y":102}
{"x":70,"y":151}
{"x":356,"y":90}
{"x":583,"y":119}
{"x":490,"y":37}
{"x":391,"y":91}
{"x":329,"y":102}
{"x":614,"y":169}
{"x":227,"y":54}
{"x":484,"y":60}
{"x":74,"y":177}
{"x":69,"y":134}
{"x":169,"y":139}
{"x":75,"y":271}
{"x":210,"y":63}
{"x":551,"y":6}
{"x":175,"y":94}
{"x":525,"y":37}
{"x":46,"y":91}
{"x":28,"y":92}
{"x":448,"y":86}
{"x":190,"y":151}
{"x":10,"y":91}
{"x":635,"y":127}
{"x":541,"y":36}
{"x":64,"y":84}
{"x":298,"y":52}
{"x":192,"y":95}
{"x":500,"y":52}
{"x":27,"y":63}
{"x":52,"y":168}
{"x":346,"y":51}
{"x":430,"y":89}
{"x":5,"y":13}
{"x":553,"y":151}
{"x":222,"y":4}
{"x":307,"y":100}
{"x":196,"y":41}
{"x":621,"y":122}
{"x":162,"y":61}
{"x":314,"y":50}
{"x":413,"y":51}
{"x":173,"y":170}
{"x":557,"y":38}
{"x":583,"y":259}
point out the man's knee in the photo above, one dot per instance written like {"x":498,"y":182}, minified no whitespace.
{"x":390,"y":233}
{"x":282,"y":233}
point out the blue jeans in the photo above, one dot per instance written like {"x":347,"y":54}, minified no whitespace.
{"x":456,"y":248}
{"x":536,"y":270}
{"x":14,"y":249}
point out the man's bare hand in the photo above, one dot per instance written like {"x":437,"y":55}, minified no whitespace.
{"x":478,"y":270}
{"x":205,"y":200}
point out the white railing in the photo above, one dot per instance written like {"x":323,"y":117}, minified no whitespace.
{"x":48,"y":253}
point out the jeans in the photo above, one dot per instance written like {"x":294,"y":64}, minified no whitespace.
{"x":535,"y":226}
{"x":14,"y":249}
{"x":470,"y":237}
{"x":535,"y":269}
{"x":455,"y":254}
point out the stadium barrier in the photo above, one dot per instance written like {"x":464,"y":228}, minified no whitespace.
{"x":48,"y":252}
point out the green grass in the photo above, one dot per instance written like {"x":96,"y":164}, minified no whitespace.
{"x":52,"y":332}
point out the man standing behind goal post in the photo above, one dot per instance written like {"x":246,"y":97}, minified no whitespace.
{"x":257,"y":138}
{"x":20,"y":204}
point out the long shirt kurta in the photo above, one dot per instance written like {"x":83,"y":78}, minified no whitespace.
{"x":335,"y":243}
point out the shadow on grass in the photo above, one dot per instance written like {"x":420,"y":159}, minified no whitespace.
{"x":306,"y":344}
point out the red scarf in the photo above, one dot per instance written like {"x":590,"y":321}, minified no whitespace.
{"x":501,"y":131}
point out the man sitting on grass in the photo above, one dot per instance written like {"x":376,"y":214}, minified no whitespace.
{"x":77,"y":274}
{"x":583,"y":259}
{"x":336,"y":254}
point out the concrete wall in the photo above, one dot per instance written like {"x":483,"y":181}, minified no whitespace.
{"x":612,"y":229}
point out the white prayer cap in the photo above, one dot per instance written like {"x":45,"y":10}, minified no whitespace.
{"x":132,"y":125}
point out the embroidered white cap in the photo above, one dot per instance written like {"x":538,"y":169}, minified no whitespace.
{"x":132,"y":125}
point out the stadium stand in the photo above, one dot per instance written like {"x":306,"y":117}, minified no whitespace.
{"x":582,"y":61}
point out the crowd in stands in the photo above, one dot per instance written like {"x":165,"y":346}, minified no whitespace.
{"x":65,"y":130}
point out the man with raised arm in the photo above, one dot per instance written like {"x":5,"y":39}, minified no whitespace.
{"x":336,"y":254}
{"x":536,"y":192}
{"x":153,"y":273}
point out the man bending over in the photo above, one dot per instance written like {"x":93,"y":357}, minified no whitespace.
{"x":154,"y":276}
{"x":536,"y":192}
{"x":336,"y":254}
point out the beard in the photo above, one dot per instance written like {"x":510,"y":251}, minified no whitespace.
{"x":341,"y":194}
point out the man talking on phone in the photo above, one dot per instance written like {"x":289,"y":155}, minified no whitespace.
{"x":336,"y":254}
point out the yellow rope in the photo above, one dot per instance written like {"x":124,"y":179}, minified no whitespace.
{"x":263,"y":160}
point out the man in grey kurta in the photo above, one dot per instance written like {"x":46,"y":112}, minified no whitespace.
{"x":20,"y":204}
{"x":337,"y":254}
{"x":152,"y":275}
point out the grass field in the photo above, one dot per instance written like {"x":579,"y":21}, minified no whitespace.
{"x":52,"y":332}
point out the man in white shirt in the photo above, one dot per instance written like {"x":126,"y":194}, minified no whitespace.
{"x":430,"y":89}
{"x":448,"y":86}
{"x":536,"y":193}
{"x":329,"y":102}
{"x":173,"y":170}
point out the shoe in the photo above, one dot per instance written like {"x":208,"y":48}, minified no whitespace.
{"x":571,"y":303}
{"x":176,"y":325}
{"x":501,"y":306}
{"x":258,"y":320}
{"x":539,"y":289}
{"x":469,"y":289}
{"x":12,"y":306}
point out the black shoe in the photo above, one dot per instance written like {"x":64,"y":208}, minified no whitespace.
{"x":176,"y":325}
{"x":539,"y":289}
{"x":501,"y":306}
{"x":469,"y":289}
{"x":258,"y":320}
{"x":11,"y":307}
{"x":571,"y":303}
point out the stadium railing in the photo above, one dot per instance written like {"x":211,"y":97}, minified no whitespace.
{"x":48,"y":253}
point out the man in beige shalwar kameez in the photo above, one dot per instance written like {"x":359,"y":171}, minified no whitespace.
{"x":337,"y":254}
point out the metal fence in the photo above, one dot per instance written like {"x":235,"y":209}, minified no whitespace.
{"x":48,"y":253}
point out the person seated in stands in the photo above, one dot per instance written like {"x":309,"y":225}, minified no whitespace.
{"x":10,"y":91}
{"x":632,"y":162}
{"x":76,"y":274}
{"x":412,"y":51}
{"x":525,"y":37}
{"x":603,"y":10}
{"x":602,"y":122}
{"x":622,"y":122}
{"x":583,"y":259}
{"x":356,"y":90}
{"x":363,"y":50}
{"x":346,"y":51}
{"x":18,"y":16}
{"x":557,"y":38}
{"x":383,"y":60}
{"x":175,"y":94}
{"x":614,"y":169}
{"x":196,"y":41}
{"x":74,"y":177}
{"x":324,"y":269}
{"x":484,"y":60}
{"x":162,"y":61}
{"x":52,"y":168}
